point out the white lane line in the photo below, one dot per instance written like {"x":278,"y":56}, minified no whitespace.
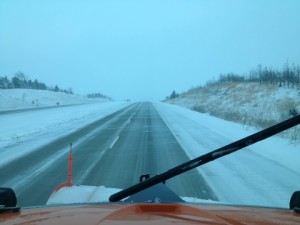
{"x":127,"y":121}
{"x":114,"y":142}
{"x":87,"y":172}
{"x":19,"y":181}
{"x":102,"y":153}
{"x":91,"y":167}
{"x":100,"y":156}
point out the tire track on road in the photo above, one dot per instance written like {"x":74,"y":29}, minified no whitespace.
{"x":146,"y":145}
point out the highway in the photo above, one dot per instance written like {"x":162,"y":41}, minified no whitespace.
{"x":113,"y":151}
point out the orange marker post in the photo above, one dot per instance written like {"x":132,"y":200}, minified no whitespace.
{"x":70,"y":174}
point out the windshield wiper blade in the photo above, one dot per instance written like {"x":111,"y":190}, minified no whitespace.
{"x":225,"y":150}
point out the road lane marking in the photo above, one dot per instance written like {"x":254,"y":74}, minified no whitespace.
{"x":114,"y":142}
{"x":87,"y":172}
{"x":18,"y":182}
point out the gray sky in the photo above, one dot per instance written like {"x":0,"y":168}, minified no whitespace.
{"x":144,"y":49}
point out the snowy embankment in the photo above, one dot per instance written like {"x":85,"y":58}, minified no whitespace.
{"x":265,"y":174}
{"x":30,"y":130}
{"x":251,"y":104}
{"x":23,"y":132}
{"x":11,"y":99}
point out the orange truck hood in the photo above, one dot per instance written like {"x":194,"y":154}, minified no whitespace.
{"x":150,"y":214}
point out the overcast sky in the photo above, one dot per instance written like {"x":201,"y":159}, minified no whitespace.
{"x":143,"y":50}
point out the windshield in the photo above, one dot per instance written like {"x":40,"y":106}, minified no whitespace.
{"x":98,"y":93}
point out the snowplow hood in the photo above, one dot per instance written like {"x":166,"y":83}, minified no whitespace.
{"x":151,"y":214}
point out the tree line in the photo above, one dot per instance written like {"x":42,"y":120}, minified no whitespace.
{"x":288,"y":76}
{"x":98,"y":95}
{"x":20,"y":80}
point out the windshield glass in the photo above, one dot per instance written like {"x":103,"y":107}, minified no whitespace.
{"x":94,"y":94}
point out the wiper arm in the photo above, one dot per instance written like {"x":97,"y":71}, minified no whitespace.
{"x":225,"y":150}
{"x":4,"y":209}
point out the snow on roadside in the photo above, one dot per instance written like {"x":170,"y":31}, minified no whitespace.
{"x":35,"y":128}
{"x":11,"y":99}
{"x":245,"y":177}
{"x":81,"y":194}
{"x":186,"y":123}
{"x":247,"y":103}
{"x":96,"y":194}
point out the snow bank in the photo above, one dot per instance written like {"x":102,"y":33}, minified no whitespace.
{"x":96,"y":194}
{"x":81,"y":194}
{"x":264,"y":174}
{"x":27,"y":98}
{"x":32,"y":129}
{"x":250,"y":104}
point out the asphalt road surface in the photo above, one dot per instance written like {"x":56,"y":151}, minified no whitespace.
{"x":113,"y":151}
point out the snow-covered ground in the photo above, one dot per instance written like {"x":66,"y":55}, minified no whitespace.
{"x":247,"y":103}
{"x":265,"y":174}
{"x":11,"y":99}
{"x":38,"y":127}
{"x":19,"y":132}
{"x":94,"y":194}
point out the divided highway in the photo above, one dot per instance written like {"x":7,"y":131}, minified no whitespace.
{"x":113,"y":151}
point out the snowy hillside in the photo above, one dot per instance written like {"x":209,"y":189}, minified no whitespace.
{"x":250,"y":104}
{"x":28,"y":98}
